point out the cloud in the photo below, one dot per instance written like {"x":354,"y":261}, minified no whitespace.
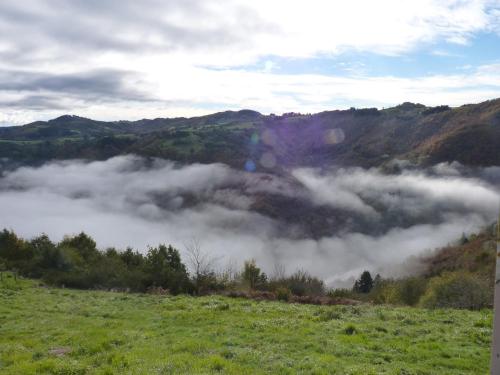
{"x":32,"y":102}
{"x":382,"y":220}
{"x":94,"y":85}
{"x":256,"y":28}
{"x":326,"y":190}
{"x":412,"y":191}
{"x":175,"y":88}
{"x":124,"y":59}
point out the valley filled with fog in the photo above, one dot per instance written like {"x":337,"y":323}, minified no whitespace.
{"x":332,"y":222}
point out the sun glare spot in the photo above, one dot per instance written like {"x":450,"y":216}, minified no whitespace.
{"x":268,"y":160}
{"x":250,"y":166}
{"x":269,"y":137}
{"x":334,"y":136}
{"x":254,"y":139}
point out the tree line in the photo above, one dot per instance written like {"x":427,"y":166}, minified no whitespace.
{"x":76,"y":262}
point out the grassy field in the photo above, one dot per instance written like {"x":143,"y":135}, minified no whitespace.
{"x":61,"y":331}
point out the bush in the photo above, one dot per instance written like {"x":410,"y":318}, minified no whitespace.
{"x":76,"y":262}
{"x":350,"y":329}
{"x":385,"y":292}
{"x":459,"y":290}
{"x":407,"y":291}
{"x":283,"y":294}
{"x":253,"y":276}
{"x":302,"y":283}
{"x":14,"y":251}
{"x":410,"y":290}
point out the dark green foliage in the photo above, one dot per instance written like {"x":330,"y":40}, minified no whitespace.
{"x":405,"y":291}
{"x":209,"y":282}
{"x":83,"y":244}
{"x":253,"y":276}
{"x":425,"y":134}
{"x":364,"y":284}
{"x":164,"y":268}
{"x":13,"y":250}
{"x":460,"y":290}
{"x":301,"y":283}
{"x":131,"y":258}
{"x":76,"y":262}
{"x":350,"y":330}
{"x":283,"y":294}
{"x":411,"y":289}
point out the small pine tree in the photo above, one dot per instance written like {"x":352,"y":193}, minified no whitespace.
{"x":364,"y":284}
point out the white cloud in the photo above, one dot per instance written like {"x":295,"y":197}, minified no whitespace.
{"x":192,"y":91}
{"x":188,"y":56}
{"x":239,"y":31}
{"x":127,"y":201}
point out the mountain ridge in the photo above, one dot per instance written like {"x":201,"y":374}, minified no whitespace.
{"x":364,"y":137}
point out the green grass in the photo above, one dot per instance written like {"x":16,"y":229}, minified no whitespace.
{"x":116,"y":333}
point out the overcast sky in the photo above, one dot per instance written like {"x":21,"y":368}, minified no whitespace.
{"x":126,"y":59}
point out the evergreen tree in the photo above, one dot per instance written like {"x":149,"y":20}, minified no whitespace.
{"x":364,"y":284}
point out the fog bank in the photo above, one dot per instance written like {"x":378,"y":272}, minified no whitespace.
{"x":130,"y":201}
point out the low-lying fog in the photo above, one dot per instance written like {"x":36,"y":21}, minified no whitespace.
{"x":129,"y":201}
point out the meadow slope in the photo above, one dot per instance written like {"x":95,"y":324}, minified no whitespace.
{"x":62,"y":331}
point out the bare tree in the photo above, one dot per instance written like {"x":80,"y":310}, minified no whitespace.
{"x":201,"y":263}
{"x":231,"y":271}
{"x":279,"y":272}
{"x":229,"y":274}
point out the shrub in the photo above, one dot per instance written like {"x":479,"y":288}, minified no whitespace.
{"x":76,"y":262}
{"x":13,"y":250}
{"x":410,"y":290}
{"x":283,"y":294}
{"x":302,"y":283}
{"x":253,"y":276}
{"x":407,"y":291}
{"x":460,"y":290}
{"x":386,"y":291}
{"x":350,"y":329}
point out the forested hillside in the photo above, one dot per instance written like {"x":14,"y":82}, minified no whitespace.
{"x":469,"y":134}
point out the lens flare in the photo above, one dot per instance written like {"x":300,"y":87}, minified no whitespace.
{"x":268,"y":137}
{"x":334,"y":136}
{"x":268,"y":160}
{"x":250,"y":166}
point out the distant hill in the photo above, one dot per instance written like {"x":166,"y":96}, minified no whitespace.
{"x":469,"y":134}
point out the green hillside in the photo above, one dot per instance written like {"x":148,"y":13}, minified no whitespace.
{"x":364,"y":137}
{"x":62,"y":331}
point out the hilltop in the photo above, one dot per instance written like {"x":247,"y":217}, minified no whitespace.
{"x":469,"y":134}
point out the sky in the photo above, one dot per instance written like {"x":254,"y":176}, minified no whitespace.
{"x":126,"y":59}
